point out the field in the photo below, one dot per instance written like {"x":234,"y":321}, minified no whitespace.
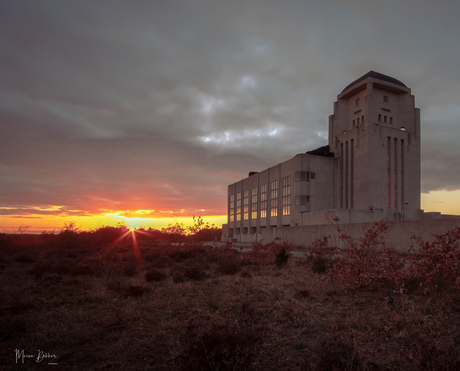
{"x":145,"y":304}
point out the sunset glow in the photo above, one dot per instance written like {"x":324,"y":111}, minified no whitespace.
{"x":54,"y":223}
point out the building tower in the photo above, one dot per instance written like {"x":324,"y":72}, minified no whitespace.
{"x":374,"y":134}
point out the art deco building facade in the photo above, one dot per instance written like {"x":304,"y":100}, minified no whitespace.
{"x":370,"y":169}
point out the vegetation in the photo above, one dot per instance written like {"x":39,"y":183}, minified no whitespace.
{"x":105,"y":300}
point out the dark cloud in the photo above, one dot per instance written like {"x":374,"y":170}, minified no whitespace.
{"x":158,"y":105}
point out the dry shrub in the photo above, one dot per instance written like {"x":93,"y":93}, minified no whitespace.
{"x":83,"y":270}
{"x":13,"y":326}
{"x":229,"y":261}
{"x":155,"y":275}
{"x":334,"y":353}
{"x":436,"y":263}
{"x":136,"y":291}
{"x":368,"y":262}
{"x":302,"y":294}
{"x":218,"y":344}
{"x":246,"y":273}
{"x":428,"y":354}
{"x":282,"y":257}
{"x":38,"y":270}
{"x":129,"y":271}
{"x":24,"y":258}
{"x":194,"y":270}
{"x":178,"y":276}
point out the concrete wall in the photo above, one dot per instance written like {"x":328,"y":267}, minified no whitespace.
{"x":398,"y":237}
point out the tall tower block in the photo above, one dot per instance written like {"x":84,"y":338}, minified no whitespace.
{"x":374,"y":134}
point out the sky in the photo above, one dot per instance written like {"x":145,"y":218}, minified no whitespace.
{"x":142,"y":112}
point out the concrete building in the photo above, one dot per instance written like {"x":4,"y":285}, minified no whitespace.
{"x":369,"y":171}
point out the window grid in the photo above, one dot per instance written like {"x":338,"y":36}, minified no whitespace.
{"x":274,"y":198}
{"x":246,"y":205}
{"x":254,"y":203}
{"x":263,"y":201}
{"x":286,"y":195}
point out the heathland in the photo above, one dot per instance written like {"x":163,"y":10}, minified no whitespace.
{"x":118,"y":300}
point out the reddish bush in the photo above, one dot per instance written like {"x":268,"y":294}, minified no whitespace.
{"x":436,"y":262}
{"x":368,"y":262}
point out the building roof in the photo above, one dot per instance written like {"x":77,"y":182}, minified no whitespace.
{"x":375,"y":75}
{"x":321,"y":151}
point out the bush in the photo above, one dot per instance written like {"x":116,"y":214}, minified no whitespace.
{"x":136,"y":291}
{"x":155,"y":275}
{"x":335,"y":353}
{"x":229,"y":262}
{"x":368,"y":262}
{"x":320,"y":264}
{"x":24,"y":258}
{"x":282,"y":257}
{"x":218,"y":345}
{"x":178,"y":277}
{"x":436,"y":262}
{"x":82,"y":270}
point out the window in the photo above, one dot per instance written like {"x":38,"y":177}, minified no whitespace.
{"x":312,"y":175}
{"x":254,"y":203}
{"x":380,"y":117}
{"x":232,"y":208}
{"x":362,"y":119}
{"x":263,"y":201}
{"x":286,"y":195}
{"x":274,"y":198}
{"x":246,"y":205}
{"x":238,"y":206}
{"x":357,"y":120}
{"x":384,"y":119}
{"x":357,"y":101}
{"x":385,"y":98}
{"x":391,"y":120}
{"x":354,"y":124}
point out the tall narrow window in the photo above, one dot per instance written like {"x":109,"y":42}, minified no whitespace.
{"x":274,"y":198}
{"x":352,"y":169}
{"x":286,"y":195}
{"x":341,"y":175}
{"x":263,"y":201}
{"x":402,"y":174}
{"x":385,"y":98}
{"x":246,"y":205}
{"x":346,"y":175}
{"x":238,"y":207}
{"x":396,"y":174}
{"x":254,"y":203}
{"x":388,"y":170}
{"x":232,"y":208}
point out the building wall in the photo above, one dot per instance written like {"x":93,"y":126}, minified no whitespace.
{"x":375,"y":136}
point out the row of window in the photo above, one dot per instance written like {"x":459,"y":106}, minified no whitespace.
{"x":286,"y":201}
{"x":357,"y":122}
{"x":390,"y":119}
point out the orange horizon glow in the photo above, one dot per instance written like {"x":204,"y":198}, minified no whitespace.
{"x":54,"y":223}
{"x":445,"y":202}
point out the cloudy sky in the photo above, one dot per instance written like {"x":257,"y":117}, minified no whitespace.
{"x":151,"y":108}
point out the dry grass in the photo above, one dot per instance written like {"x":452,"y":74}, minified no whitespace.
{"x":199,"y":308}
